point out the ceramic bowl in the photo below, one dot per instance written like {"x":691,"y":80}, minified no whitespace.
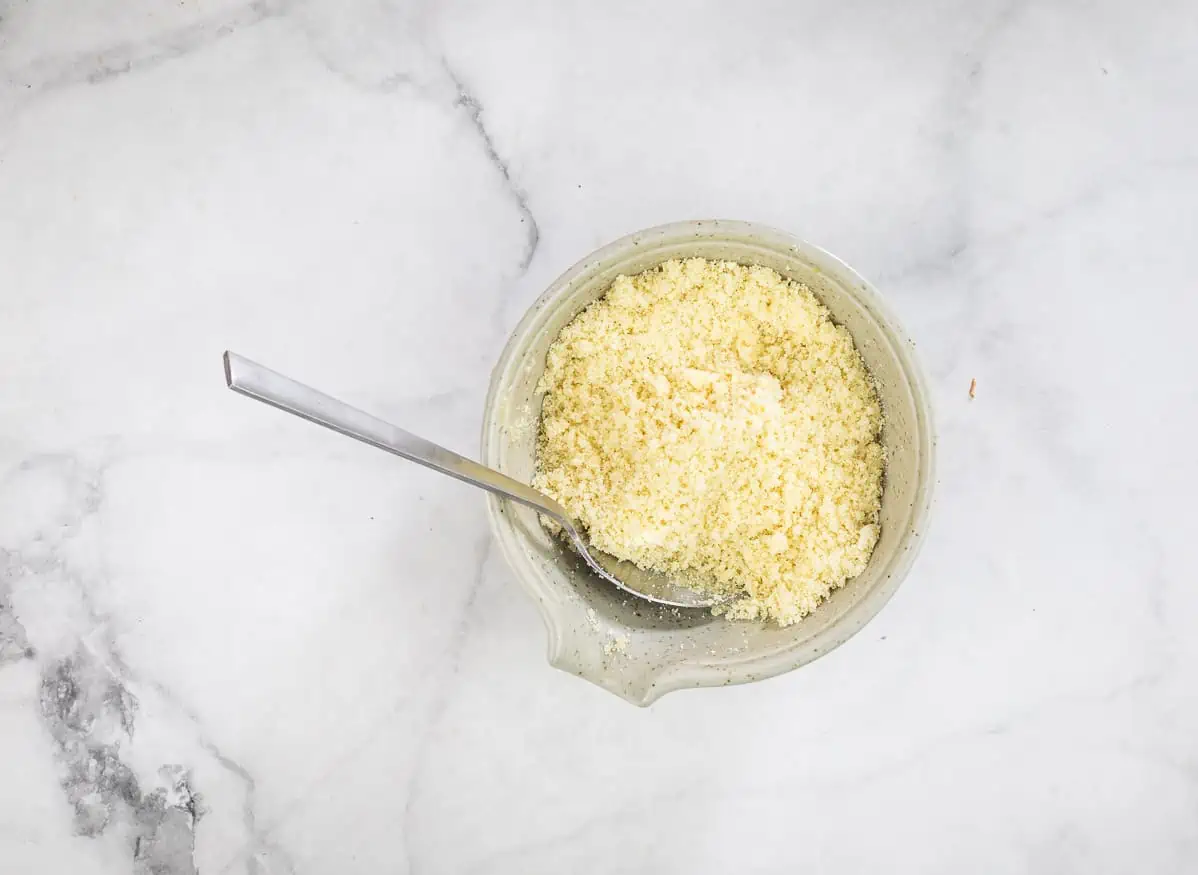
{"x":639,"y":650}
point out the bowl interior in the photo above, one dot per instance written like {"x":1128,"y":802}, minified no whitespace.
{"x":640,"y":650}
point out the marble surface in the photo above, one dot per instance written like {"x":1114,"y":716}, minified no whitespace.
{"x":231,"y":643}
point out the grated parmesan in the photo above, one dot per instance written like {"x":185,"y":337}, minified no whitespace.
{"x":709,"y":418}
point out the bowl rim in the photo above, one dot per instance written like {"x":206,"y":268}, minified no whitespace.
{"x":760,"y":665}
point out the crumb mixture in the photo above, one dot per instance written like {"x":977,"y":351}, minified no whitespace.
{"x":709,"y":419}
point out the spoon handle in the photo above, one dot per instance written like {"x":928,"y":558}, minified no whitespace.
{"x":270,"y":387}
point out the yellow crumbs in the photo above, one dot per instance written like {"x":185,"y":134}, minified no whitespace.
{"x":709,"y":419}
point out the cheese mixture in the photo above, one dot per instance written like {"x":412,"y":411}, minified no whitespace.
{"x":709,"y":419}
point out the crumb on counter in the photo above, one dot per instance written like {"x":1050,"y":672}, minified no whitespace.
{"x":709,"y":418}
{"x":616,"y":644}
{"x":973,"y":388}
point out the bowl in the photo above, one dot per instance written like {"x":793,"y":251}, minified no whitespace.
{"x":639,"y":650}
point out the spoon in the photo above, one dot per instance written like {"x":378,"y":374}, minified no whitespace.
{"x":262,"y":384}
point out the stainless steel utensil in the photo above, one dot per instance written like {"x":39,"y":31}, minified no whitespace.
{"x":255,"y":381}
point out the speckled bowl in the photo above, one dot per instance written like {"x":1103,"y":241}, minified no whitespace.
{"x":638,"y":650}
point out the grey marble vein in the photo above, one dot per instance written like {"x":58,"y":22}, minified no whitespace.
{"x":445,"y":687}
{"x":88,"y":712}
{"x":88,"y":705}
{"x":958,"y":119}
{"x":474,"y":111}
{"x":611,"y":823}
{"x":93,"y":67}
{"x":259,"y":845}
{"x":14,"y":642}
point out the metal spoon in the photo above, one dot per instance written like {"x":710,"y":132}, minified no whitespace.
{"x":263,"y":384}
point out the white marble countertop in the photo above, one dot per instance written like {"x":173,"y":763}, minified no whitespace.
{"x":232,"y":643}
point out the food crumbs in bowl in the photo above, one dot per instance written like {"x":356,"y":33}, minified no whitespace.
{"x":615,"y":644}
{"x":709,"y":419}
